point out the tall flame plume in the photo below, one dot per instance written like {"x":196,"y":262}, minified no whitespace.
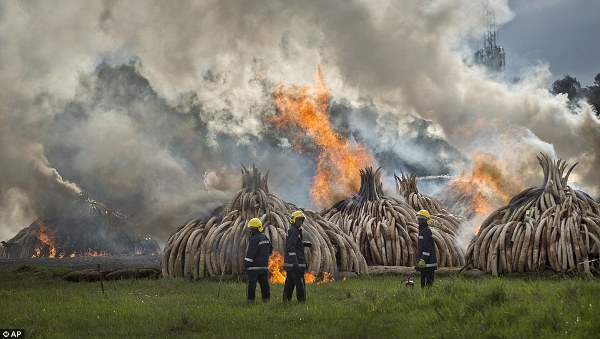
{"x":338,"y":160}
{"x":46,"y":235}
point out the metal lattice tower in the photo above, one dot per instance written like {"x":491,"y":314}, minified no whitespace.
{"x":491,"y":55}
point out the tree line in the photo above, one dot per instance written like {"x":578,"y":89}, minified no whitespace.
{"x":572,"y":88}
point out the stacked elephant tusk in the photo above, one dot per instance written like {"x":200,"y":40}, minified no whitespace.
{"x":385,"y":228}
{"x":202,"y":248}
{"x":22,"y":245}
{"x":551,"y":226}
{"x":407,"y":188}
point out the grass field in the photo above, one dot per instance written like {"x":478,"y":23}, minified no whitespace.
{"x":39,"y":301}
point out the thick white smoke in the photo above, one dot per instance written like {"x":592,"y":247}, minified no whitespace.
{"x":211,"y":67}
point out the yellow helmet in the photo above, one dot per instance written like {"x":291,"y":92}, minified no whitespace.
{"x":424,"y":214}
{"x":255,"y":223}
{"x":296,"y":214}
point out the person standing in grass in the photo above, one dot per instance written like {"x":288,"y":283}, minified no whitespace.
{"x":295,"y":261}
{"x":257,"y":261}
{"x":427,"y":260}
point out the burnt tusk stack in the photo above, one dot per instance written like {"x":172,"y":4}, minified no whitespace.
{"x":552,"y":226}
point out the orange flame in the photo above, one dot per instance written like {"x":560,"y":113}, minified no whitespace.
{"x":278,"y":274}
{"x":484,"y":185}
{"x":337,"y":172}
{"x":327,"y":278}
{"x":309,"y":277}
{"x":93,"y":253}
{"x":46,"y":235}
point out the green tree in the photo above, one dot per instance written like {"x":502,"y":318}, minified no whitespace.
{"x":568,"y":85}
{"x":593,"y":94}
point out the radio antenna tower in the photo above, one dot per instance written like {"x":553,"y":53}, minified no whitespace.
{"x":491,"y":55}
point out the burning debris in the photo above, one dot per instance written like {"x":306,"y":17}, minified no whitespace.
{"x":202,"y":248}
{"x":277,"y":274}
{"x":87,"y":228}
{"x":553,"y":226}
{"x":385,"y":228}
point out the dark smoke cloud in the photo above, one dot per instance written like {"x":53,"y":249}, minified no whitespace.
{"x":159,"y":165}
{"x":144,"y":137}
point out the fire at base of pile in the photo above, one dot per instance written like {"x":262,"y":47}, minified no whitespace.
{"x":553,"y":226}
{"x":385,"y":228}
{"x":202,"y":248}
{"x":87,"y":228}
{"x":277,"y":274}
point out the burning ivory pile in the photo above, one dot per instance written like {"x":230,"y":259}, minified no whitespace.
{"x":202,"y":248}
{"x":385,"y":228}
{"x":551,"y":226}
{"x":407,"y":188}
{"x":83,"y":227}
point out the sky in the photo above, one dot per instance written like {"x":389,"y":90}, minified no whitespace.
{"x":565,"y":34}
{"x":151,"y":106}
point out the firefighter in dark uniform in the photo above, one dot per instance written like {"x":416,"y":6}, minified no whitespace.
{"x":257,"y":261}
{"x":427,"y":261}
{"x":295,"y":261}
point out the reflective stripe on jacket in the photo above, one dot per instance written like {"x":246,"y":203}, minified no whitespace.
{"x":294,"y":250}
{"x":426,"y":249}
{"x":257,"y":255}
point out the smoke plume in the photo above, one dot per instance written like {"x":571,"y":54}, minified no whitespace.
{"x":151,"y":106}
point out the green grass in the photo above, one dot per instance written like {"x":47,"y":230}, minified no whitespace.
{"x":38,"y":300}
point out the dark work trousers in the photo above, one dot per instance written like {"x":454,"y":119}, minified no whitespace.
{"x":427,"y":278}
{"x":263,"y":282}
{"x":294,"y":278}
